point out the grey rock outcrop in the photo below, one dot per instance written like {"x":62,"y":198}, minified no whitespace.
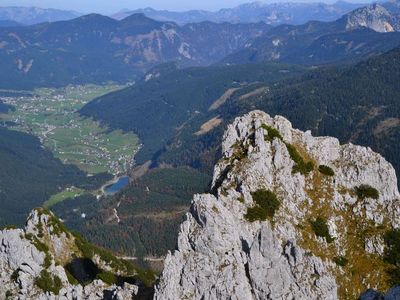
{"x":26,"y":253}
{"x":222,"y":254}
{"x":375,"y":17}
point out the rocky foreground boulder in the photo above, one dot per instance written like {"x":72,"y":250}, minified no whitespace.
{"x":46,"y":261}
{"x":290,"y":216}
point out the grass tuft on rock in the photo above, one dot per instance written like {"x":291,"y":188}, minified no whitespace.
{"x":340,"y":261}
{"x":300,"y":166}
{"x":366,"y":191}
{"x":266,"y":205}
{"x":392,"y":255}
{"x":326,"y":170}
{"x":321,"y":229}
{"x":272,"y":133}
{"x":107,"y":277}
{"x":48,"y":283}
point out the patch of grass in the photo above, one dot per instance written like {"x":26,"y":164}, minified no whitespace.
{"x":321,"y":229}
{"x":340,"y":261}
{"x":47,"y":261}
{"x":272,"y":133}
{"x":8,"y":295}
{"x":48,"y":283}
{"x":107,"y":277}
{"x":40,"y":246}
{"x":366,"y":191}
{"x":71,"y":279}
{"x":8,"y":227}
{"x":240,"y":151}
{"x":392,"y":255}
{"x":300,"y":166}
{"x":266,"y":205}
{"x":67,"y":194}
{"x":326,"y":170}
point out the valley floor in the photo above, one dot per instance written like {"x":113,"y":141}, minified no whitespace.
{"x":51,"y":115}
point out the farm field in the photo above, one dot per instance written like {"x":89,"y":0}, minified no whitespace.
{"x":51,"y":115}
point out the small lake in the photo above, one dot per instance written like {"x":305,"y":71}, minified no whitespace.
{"x":117,"y":186}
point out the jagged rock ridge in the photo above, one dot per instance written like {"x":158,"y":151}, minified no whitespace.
{"x":375,"y":17}
{"x":39,"y":261}
{"x":324,"y":241}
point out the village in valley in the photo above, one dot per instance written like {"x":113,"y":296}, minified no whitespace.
{"x":52,"y":115}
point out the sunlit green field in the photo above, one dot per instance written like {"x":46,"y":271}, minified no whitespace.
{"x":68,"y":193}
{"x":51,"y":114}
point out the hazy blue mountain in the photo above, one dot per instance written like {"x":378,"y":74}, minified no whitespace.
{"x":95,"y":48}
{"x":8,"y":23}
{"x":365,"y":31}
{"x":270,"y":13}
{"x":35,"y":15}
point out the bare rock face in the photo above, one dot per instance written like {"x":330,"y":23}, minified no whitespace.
{"x":324,"y":238}
{"x":375,"y":17}
{"x":32,"y":264}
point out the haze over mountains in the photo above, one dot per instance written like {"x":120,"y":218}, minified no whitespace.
{"x":35,"y":15}
{"x":274,"y":13}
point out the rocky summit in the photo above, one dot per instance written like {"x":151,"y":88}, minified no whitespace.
{"x":46,"y":261}
{"x":290,"y":216}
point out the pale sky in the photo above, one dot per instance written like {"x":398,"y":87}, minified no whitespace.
{"x":111,"y":6}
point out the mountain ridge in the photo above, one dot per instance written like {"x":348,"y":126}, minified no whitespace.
{"x":357,"y":35}
{"x":270,"y":13}
{"x":35,"y":15}
{"x":97,"y":48}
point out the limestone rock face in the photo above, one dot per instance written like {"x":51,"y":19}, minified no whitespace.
{"x":375,"y":17}
{"x":224,"y":254}
{"x":26,"y":253}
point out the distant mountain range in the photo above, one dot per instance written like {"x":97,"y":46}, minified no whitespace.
{"x":360,"y":33}
{"x":270,"y":13}
{"x":35,"y":15}
{"x":95,"y":48}
{"x":8,"y":23}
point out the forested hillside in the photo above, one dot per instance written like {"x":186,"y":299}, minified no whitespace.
{"x":98,"y":49}
{"x":357,"y":103}
{"x":29,"y":175}
{"x":143,"y":219}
